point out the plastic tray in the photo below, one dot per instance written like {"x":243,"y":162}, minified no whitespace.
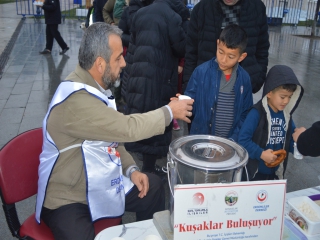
{"x":309,"y":227}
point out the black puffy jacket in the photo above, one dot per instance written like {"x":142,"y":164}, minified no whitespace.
{"x":52,"y":12}
{"x":205,"y":28}
{"x":124,"y":26}
{"x":151,"y":75}
{"x":127,"y":16}
{"x":134,"y":6}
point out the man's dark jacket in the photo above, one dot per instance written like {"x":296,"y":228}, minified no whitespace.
{"x":205,"y":28}
{"x":52,"y":12}
{"x":309,"y":141}
{"x":151,"y":75}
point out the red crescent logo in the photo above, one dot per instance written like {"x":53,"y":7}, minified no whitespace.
{"x":263,"y":198}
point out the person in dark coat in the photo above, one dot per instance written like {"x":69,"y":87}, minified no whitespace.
{"x":98,"y":7}
{"x":308,"y":140}
{"x":157,"y":42}
{"x":52,"y":15}
{"x":125,"y":25}
{"x":209,"y":17}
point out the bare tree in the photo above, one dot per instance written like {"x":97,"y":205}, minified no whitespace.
{"x":313,"y":29}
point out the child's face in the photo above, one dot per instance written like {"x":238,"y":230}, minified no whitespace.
{"x":279,"y":99}
{"x":227,"y":57}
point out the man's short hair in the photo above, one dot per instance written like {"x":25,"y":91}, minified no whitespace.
{"x":288,"y":87}
{"x":95,"y":43}
{"x":234,"y":36}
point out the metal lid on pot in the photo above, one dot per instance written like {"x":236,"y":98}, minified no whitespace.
{"x":208,"y":152}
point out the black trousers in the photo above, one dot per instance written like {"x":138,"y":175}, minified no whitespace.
{"x":149,"y":161}
{"x":53,"y":33}
{"x":73,"y":221}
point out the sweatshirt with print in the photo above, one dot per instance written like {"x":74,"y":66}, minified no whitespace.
{"x":265,"y":129}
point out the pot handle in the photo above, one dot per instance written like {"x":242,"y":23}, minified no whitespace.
{"x":245,"y":167}
{"x":169,"y":181}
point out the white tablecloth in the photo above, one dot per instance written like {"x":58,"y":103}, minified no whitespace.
{"x":140,"y":230}
{"x":136,"y":230}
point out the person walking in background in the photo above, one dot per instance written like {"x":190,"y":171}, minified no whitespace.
{"x":269,"y":125}
{"x":52,"y":16}
{"x":308,"y":140}
{"x":209,"y":17}
{"x":157,"y":42}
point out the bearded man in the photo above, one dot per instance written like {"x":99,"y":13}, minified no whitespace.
{"x":85,"y":173}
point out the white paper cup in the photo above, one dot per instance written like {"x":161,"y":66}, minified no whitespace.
{"x":152,"y":237}
{"x":183,"y":97}
{"x":296,"y":153}
{"x":117,"y":238}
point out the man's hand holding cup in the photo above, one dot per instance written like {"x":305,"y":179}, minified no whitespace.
{"x":181,"y":109}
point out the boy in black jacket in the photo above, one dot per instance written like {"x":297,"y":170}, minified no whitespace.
{"x":269,"y":125}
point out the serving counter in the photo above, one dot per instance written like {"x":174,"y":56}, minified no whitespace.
{"x":160,"y":227}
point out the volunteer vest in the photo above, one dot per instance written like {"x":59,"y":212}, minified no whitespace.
{"x":106,"y":186}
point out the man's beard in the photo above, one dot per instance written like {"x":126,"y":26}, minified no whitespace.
{"x":109,"y":79}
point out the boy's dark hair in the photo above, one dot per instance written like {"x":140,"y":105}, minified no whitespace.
{"x":288,"y":87}
{"x":234,"y":36}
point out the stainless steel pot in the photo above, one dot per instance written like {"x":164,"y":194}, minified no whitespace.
{"x":204,"y":159}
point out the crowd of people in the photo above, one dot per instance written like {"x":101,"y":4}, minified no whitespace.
{"x":86,"y":171}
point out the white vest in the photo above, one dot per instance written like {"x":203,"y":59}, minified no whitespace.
{"x":106,"y":186}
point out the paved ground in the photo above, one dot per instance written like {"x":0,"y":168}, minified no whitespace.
{"x":30,"y":79}
{"x":9,"y":20}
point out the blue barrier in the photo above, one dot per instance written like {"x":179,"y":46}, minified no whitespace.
{"x":289,"y":11}
{"x":68,"y":8}
{"x":27,"y":8}
{"x":77,"y":2}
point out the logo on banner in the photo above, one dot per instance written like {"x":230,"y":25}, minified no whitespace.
{"x":262,"y":196}
{"x":231,"y":198}
{"x":197,"y":211}
{"x":198,"y":199}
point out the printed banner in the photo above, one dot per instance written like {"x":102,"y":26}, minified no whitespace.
{"x":220,"y":211}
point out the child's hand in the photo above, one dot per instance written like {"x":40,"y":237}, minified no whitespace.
{"x":268,"y":156}
{"x":180,"y":69}
{"x":176,"y":97}
{"x":297,"y":132}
